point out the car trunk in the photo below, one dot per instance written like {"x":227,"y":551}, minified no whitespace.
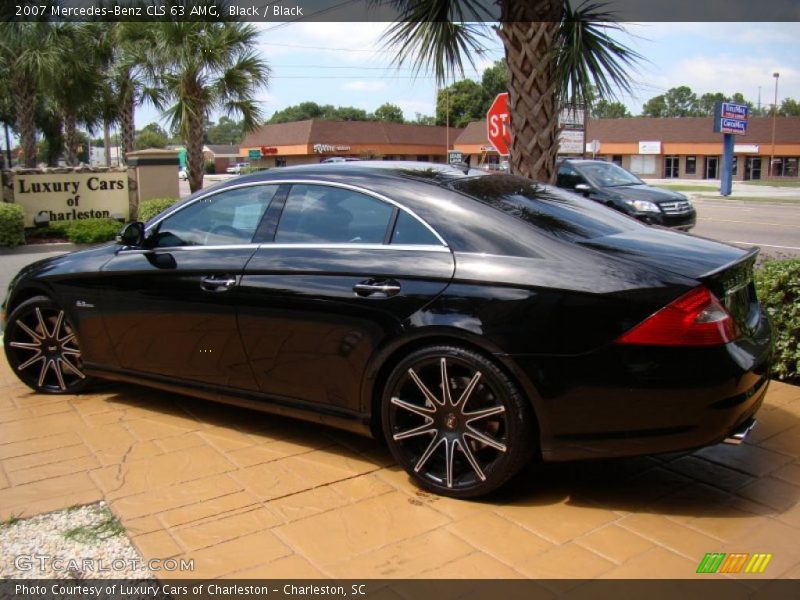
{"x":726,"y":270}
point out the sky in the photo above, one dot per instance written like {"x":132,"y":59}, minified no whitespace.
{"x":345,"y":64}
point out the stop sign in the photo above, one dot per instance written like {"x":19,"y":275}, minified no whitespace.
{"x":498,"y":124}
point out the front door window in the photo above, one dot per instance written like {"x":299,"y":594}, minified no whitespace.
{"x":671,"y":167}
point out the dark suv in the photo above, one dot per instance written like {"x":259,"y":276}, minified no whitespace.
{"x":613,"y":186}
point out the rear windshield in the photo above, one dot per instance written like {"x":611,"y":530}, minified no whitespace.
{"x":549,"y":209}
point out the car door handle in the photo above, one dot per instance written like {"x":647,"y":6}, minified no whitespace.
{"x":382,"y":289}
{"x":217,"y":284}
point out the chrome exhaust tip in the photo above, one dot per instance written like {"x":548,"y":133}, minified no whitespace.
{"x":738,"y":436}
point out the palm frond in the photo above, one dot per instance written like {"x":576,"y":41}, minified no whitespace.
{"x":588,"y":58}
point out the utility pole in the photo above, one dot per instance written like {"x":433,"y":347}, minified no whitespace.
{"x":759,"y":100}
{"x":776,"y":75}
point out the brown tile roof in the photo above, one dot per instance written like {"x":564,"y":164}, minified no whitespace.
{"x":317,"y":131}
{"x":684,"y":129}
{"x":223,"y":149}
{"x":690,"y":129}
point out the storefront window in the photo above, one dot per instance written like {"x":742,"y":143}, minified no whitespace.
{"x":691,"y":165}
{"x":735,"y":165}
{"x":784,"y":166}
{"x":643,"y":164}
{"x":617,"y":159}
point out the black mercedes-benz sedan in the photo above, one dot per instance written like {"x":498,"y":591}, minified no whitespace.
{"x":473,"y":321}
{"x":610,"y":184}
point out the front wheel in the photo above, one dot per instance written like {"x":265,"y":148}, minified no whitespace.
{"x":42,"y":348}
{"x":456,"y":422}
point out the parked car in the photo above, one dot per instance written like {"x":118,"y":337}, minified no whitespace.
{"x":471,"y":320}
{"x":236,"y":168}
{"x":339,"y":159}
{"x":620,"y":189}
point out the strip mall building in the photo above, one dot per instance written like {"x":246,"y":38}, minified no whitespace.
{"x":674,"y":147}
{"x":311,"y":141}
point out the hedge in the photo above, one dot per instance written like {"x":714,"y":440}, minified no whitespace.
{"x":778,"y":288}
{"x":12,"y":225}
{"x":88,"y":231}
{"x":150,"y":208}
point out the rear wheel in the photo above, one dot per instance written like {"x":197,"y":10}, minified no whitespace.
{"x":455,"y":422}
{"x":42,"y":348}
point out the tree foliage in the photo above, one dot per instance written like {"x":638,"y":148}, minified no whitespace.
{"x":605,"y":109}
{"x":225,"y":131}
{"x":390,"y":113}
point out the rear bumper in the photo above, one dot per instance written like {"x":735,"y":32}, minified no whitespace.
{"x":628,"y":401}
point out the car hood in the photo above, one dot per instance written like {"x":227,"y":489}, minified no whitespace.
{"x":644,"y":192}
{"x":667,"y":250}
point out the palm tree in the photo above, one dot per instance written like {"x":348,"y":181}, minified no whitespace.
{"x":554,"y":54}
{"x":30,"y":55}
{"x":206,"y":68}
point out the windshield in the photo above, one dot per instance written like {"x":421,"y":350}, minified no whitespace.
{"x":551,"y":210}
{"x":605,"y":174}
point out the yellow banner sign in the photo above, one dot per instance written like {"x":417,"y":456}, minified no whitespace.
{"x":71,"y":196}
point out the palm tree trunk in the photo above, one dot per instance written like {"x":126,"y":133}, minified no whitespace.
{"x":107,"y":141}
{"x":25,"y":96}
{"x":127,"y":127}
{"x":71,"y":137}
{"x":194,"y":151}
{"x":531,"y":98}
{"x":528,"y":31}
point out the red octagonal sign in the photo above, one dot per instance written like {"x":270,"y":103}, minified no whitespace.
{"x":498,"y":122}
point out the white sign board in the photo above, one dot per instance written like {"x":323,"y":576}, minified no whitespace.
{"x":745,"y":148}
{"x":72,"y":196}
{"x":571,"y":118}
{"x":651,"y":147}
{"x":570,"y":142}
{"x":593,"y":146}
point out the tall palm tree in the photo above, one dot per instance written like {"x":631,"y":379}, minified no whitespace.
{"x":206,"y":68}
{"x":554,"y":54}
{"x":30,"y":55}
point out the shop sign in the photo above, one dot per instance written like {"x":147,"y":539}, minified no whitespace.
{"x":571,"y":118}
{"x":454,"y":156}
{"x":745,"y":148}
{"x":323,"y":148}
{"x":71,"y":196}
{"x":730,"y":118}
{"x":650,"y":147}
{"x":268,"y":150}
{"x":254,"y":154}
{"x":570,"y":142}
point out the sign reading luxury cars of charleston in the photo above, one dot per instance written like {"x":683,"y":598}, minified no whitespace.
{"x":71,"y":196}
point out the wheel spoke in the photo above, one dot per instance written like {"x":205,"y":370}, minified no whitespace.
{"x":446,"y":399}
{"x":42,"y":323}
{"x":59,"y":323}
{"x":465,"y":395}
{"x":34,"y":336}
{"x":30,"y":361}
{"x":435,"y":441}
{"x":484,"y":439}
{"x":422,"y":411}
{"x":423,"y":429}
{"x":464,"y":445}
{"x":43,"y":373}
{"x":424,"y":389}
{"x":70,"y":367}
{"x":59,"y":374}
{"x":482,"y":414}
{"x":449,"y":457}
{"x":69,"y":337}
{"x":26,"y":345}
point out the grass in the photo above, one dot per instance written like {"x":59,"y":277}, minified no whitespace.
{"x":686,"y":187}
{"x":768,"y":199}
{"x":11,"y":520}
{"x":768,"y":183}
{"x":108,"y":527}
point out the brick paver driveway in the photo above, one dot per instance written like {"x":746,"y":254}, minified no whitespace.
{"x":252,"y":495}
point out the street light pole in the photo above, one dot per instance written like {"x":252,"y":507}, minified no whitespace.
{"x":774,"y":119}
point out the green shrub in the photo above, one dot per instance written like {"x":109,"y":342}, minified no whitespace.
{"x":778,"y":287}
{"x":88,"y":231}
{"x":150,"y":208}
{"x":209,"y":167}
{"x":12,"y":225}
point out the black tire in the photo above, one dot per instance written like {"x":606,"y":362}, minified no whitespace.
{"x":427,"y":429}
{"x":42,"y":348}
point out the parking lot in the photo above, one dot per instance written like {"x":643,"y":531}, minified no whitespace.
{"x":248,"y":495}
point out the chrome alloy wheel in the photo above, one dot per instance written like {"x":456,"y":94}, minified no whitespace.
{"x":448,"y":423}
{"x":42,"y":348}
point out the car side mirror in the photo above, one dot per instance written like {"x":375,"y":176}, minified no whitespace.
{"x":582,"y":188}
{"x":132,"y":234}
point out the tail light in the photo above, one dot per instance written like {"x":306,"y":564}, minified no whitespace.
{"x":695,"y":319}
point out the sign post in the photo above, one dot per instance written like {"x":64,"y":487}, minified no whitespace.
{"x":729,"y":119}
{"x":497,"y":124}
